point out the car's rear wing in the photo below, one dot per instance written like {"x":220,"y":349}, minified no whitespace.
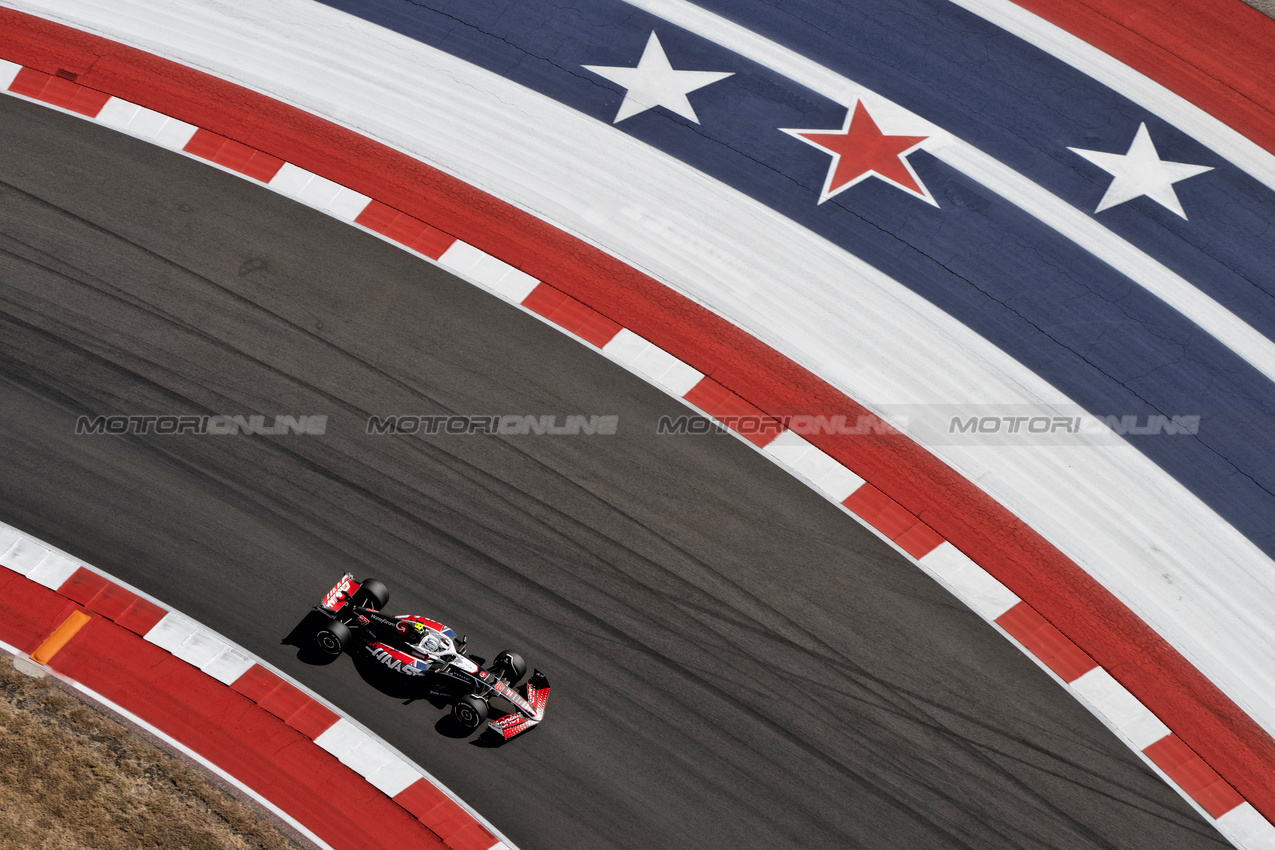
{"x":342,"y":592}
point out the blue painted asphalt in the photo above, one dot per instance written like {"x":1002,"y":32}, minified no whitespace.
{"x":1083,"y":327}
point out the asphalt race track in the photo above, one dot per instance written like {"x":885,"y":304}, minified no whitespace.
{"x":734,"y":662}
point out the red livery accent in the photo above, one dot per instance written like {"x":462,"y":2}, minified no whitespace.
{"x":424,"y":621}
{"x":340,"y":593}
{"x":351,"y":619}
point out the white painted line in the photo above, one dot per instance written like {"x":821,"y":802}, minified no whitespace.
{"x":24,"y":555}
{"x":8,"y":73}
{"x":1073,"y":224}
{"x":1245,"y":827}
{"x":1139,"y":88}
{"x":973,"y":584}
{"x":1109,"y":699}
{"x":53,"y":570}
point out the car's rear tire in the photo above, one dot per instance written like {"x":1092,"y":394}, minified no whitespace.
{"x":332,"y":637}
{"x":371,"y":594}
{"x":470,"y":712}
{"x":510,"y":667}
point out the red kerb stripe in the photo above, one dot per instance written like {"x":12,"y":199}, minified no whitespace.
{"x":405,"y":230}
{"x":59,"y":92}
{"x":1051,"y":646}
{"x":571,"y":315}
{"x":234,"y":155}
{"x":715,"y":400}
{"x":446,"y":819}
{"x":1193,"y":776}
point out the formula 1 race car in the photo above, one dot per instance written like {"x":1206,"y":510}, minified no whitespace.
{"x":426,"y":653}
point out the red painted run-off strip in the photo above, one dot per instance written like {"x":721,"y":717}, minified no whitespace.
{"x":203,"y":714}
{"x":908,"y":484}
{"x":239,"y":737}
{"x":260,"y":730}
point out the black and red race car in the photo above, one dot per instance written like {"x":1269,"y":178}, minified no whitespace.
{"x":427,"y":653}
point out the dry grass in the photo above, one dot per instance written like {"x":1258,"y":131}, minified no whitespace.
{"x":72,"y":778}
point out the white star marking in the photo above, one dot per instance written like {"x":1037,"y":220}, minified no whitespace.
{"x":1141,"y":172}
{"x":654,"y":83}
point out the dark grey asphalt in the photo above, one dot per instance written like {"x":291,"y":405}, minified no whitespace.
{"x":734,"y":662}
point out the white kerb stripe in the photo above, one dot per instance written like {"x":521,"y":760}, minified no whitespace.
{"x":319,"y":192}
{"x":228,"y":665}
{"x":820,"y":469}
{"x":488,"y":272}
{"x":1112,"y":701}
{"x":171,"y":631}
{"x":53,"y":570}
{"x":200,"y":647}
{"x":146,"y":124}
{"x":8,"y":73}
{"x":652,"y":362}
{"x":341,"y":737}
{"x":395,"y":777}
{"x":366,"y":758}
{"x":8,"y":536}
{"x":23,"y":555}
{"x":1245,"y":827}
{"x":972,"y":584}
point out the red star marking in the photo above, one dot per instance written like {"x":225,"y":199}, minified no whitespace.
{"x":860,"y":150}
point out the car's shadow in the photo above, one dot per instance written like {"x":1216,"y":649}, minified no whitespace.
{"x":301,"y":637}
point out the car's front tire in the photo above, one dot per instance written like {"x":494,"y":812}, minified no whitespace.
{"x":470,"y":712}
{"x":510,"y":667}
{"x":332,"y":637}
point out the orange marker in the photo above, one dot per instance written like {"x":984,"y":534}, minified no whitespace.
{"x":63,"y":633}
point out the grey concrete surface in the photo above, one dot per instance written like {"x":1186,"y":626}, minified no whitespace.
{"x":1266,"y":7}
{"x":734,"y":662}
